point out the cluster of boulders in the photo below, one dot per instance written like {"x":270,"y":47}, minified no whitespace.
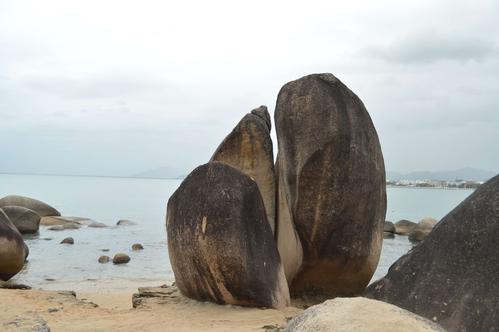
{"x":245,"y":230}
{"x":24,"y":215}
{"x":416,"y":231}
{"x":18,"y":215}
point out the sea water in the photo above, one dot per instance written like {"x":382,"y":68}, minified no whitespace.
{"x":108,"y":199}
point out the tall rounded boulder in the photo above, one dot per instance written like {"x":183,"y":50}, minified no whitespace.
{"x":26,"y":221}
{"x":41,"y":208}
{"x":331,"y":185}
{"x":219,"y":240}
{"x":13,"y":250}
{"x":452,"y":276}
{"x":248,"y":148}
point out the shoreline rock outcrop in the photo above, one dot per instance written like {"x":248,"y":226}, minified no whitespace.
{"x":331,"y":187}
{"x":220,"y":243}
{"x":451,"y":276}
{"x":41,"y":208}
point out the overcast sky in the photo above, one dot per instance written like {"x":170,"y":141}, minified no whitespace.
{"x":119,"y":87}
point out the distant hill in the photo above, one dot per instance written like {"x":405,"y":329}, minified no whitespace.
{"x":462,"y":174}
{"x":165,"y":172}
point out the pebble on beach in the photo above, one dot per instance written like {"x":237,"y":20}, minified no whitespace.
{"x":68,"y":240}
{"x":137,"y":246}
{"x":121,"y":258}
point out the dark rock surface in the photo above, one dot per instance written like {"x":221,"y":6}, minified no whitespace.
{"x":26,"y":221}
{"x":452,"y":276}
{"x":248,"y":148}
{"x":13,"y":250}
{"x":219,"y":240}
{"x":404,"y":227}
{"x":41,"y":208}
{"x":331,"y":186}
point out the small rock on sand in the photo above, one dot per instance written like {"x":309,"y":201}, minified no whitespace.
{"x":121,"y":258}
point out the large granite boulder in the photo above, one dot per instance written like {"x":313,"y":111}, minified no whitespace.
{"x":359,"y":314}
{"x":249,"y":149}
{"x":41,"y":208}
{"x":219,"y":240}
{"x":422,"y":229}
{"x":26,"y":221}
{"x":331,"y":185}
{"x":13,"y":250}
{"x":452,"y":276}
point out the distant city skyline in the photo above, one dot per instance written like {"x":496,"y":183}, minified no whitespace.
{"x":116,"y":88}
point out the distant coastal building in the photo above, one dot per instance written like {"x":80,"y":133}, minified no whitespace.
{"x":458,"y":183}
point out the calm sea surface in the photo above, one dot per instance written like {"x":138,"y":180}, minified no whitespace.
{"x":144,"y":200}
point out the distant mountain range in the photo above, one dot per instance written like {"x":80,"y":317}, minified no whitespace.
{"x":459,"y":174}
{"x":165,"y":172}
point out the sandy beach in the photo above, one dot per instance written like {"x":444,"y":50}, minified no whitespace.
{"x":105,"y":311}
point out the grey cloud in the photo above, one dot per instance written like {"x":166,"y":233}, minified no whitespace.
{"x":429,"y":47}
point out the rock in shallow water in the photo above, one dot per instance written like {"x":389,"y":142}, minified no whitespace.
{"x":137,"y":247}
{"x":68,"y":240}
{"x":331,"y":187}
{"x":359,"y":314}
{"x":422,"y":229}
{"x":13,"y":250}
{"x":104,"y":259}
{"x":219,"y":240}
{"x":125,"y":222}
{"x":41,"y":208}
{"x":404,"y":227}
{"x":389,"y":227}
{"x":452,"y":276}
{"x":121,"y":258}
